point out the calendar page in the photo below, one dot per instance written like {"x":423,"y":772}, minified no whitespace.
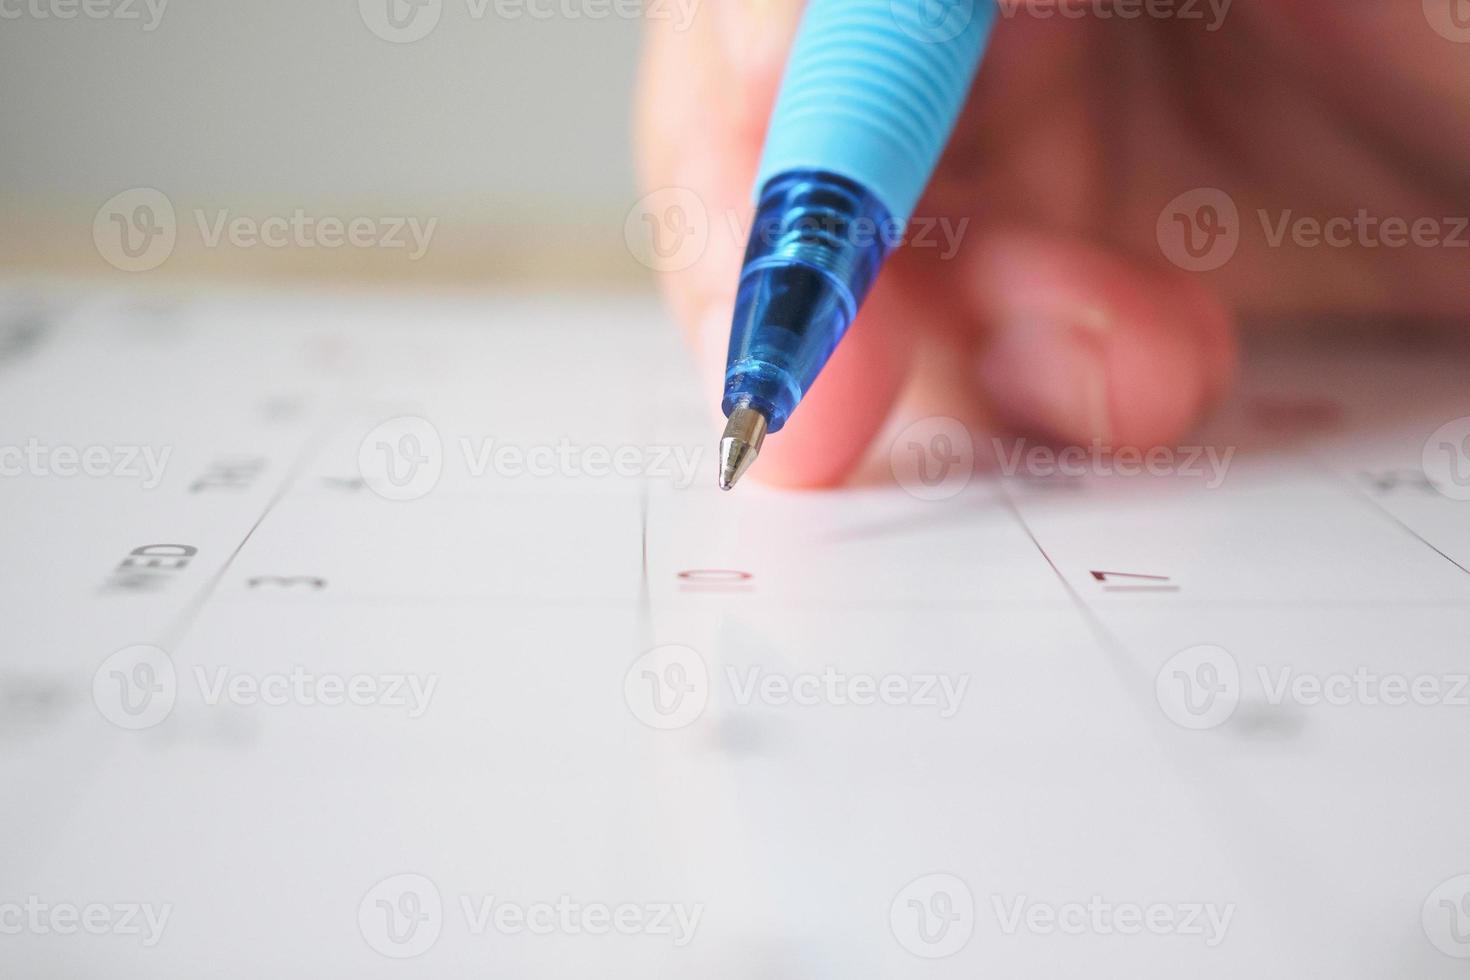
{"x":359,"y":637}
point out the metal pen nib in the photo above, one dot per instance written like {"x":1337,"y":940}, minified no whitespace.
{"x":740,"y":444}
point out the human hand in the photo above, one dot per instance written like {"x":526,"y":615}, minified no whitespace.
{"x":1049,"y":299}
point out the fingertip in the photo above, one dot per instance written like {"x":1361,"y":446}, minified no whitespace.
{"x":1087,"y":346}
{"x":828,"y":435}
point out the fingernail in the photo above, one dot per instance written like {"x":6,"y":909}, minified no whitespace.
{"x":1049,"y":377}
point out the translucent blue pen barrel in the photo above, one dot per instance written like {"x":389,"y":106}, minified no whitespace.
{"x":869,"y":98}
{"x":815,"y":249}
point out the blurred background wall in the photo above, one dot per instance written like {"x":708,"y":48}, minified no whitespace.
{"x":506,"y":120}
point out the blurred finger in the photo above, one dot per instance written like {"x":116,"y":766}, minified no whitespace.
{"x":1083,"y":344}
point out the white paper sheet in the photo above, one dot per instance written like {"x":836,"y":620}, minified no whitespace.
{"x":532,"y":721}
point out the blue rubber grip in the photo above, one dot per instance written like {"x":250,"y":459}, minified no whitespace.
{"x":872,"y":91}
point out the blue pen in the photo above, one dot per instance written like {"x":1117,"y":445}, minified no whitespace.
{"x":868,"y":101}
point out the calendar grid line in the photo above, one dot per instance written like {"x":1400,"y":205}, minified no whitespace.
{"x":1110,"y":642}
{"x":190,"y":614}
{"x":1376,"y":507}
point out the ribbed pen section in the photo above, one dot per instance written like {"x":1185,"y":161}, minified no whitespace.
{"x":873,"y":89}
